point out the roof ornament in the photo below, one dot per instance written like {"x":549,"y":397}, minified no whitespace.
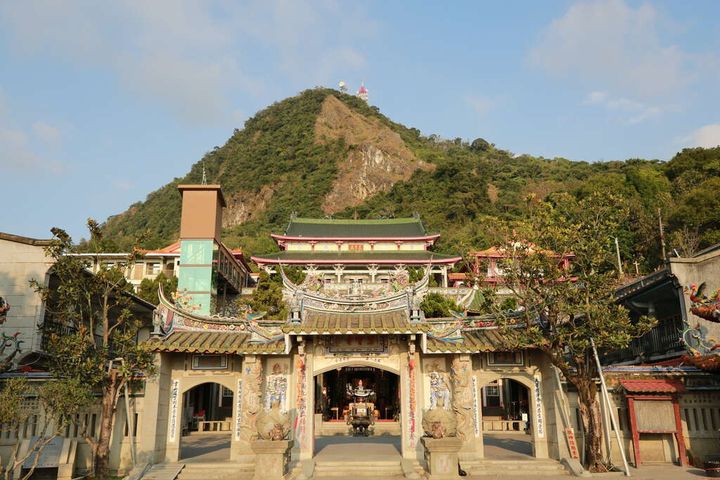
{"x":204,"y":176}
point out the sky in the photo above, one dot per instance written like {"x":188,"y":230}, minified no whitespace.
{"x":103,"y":102}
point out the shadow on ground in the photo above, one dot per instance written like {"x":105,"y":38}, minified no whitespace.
{"x":205,"y":447}
{"x":501,"y":446}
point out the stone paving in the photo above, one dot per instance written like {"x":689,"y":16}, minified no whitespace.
{"x":206,"y":447}
{"x":213,"y":448}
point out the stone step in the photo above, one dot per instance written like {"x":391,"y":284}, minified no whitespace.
{"x":366,"y":469}
{"x":215,"y":471}
{"x":163,"y":471}
{"x":529,"y":468}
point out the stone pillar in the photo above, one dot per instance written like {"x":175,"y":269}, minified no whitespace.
{"x":304,"y":401}
{"x":174,"y":422}
{"x":463,"y":404}
{"x":409,"y":419}
{"x":444,"y":277}
{"x":151,"y":444}
{"x":250,"y":402}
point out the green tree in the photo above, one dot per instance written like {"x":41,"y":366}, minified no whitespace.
{"x":148,"y":289}
{"x":59,"y":403}
{"x":435,"y":305}
{"x":268,"y":297}
{"x":560,"y":310}
{"x":102,"y":352}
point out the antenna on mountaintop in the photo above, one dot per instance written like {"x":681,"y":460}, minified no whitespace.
{"x":204,"y":177}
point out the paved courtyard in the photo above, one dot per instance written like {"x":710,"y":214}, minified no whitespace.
{"x":213,"y":448}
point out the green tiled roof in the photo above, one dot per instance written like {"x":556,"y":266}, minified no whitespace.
{"x":364,"y":256}
{"x":331,"y":323}
{"x":472,"y":342}
{"x":390,"y":228}
{"x":214,"y":343}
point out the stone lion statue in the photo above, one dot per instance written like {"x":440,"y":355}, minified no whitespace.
{"x":273,"y":424}
{"x":439,"y":422}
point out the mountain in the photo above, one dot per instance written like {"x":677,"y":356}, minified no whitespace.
{"x":324,"y":152}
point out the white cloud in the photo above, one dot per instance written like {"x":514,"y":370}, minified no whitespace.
{"x":19,"y":150}
{"x":631,"y":111}
{"x":480,"y":104}
{"x":191,"y":55}
{"x":706,"y":137}
{"x":608,"y":43}
{"x":46,"y":133}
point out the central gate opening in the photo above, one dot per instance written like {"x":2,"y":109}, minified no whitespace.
{"x":335,"y":393}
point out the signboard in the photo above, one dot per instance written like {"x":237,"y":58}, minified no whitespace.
{"x":655,"y":416}
{"x":572,"y":443}
{"x":49,"y":456}
{"x":348,"y":344}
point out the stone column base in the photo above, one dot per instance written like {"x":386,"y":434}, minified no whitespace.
{"x":442,"y":457}
{"x":272,"y":458}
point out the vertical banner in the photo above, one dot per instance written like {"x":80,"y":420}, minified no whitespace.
{"x":300,"y":401}
{"x":238,"y":409}
{"x":539,"y":419}
{"x":476,"y":411}
{"x":174,"y":402}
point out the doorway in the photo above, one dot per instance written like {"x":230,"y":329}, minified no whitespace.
{"x":334,"y":391}
{"x":206,"y":423}
{"x":506,"y":420}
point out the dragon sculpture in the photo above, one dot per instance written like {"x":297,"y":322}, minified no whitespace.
{"x":707,"y":308}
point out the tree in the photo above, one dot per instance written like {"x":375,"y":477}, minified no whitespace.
{"x":102,"y":351}
{"x":59,"y":403}
{"x":148,"y":289}
{"x":560,"y":309}
{"x":435,"y":305}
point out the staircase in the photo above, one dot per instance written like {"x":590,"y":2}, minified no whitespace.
{"x":216,"y":471}
{"x":164,"y":471}
{"x":366,"y":468}
{"x":521,"y":468}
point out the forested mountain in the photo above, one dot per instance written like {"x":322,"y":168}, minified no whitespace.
{"x":324,"y":153}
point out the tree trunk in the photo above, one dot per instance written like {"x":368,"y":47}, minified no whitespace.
{"x":592,"y":424}
{"x":102,"y":449}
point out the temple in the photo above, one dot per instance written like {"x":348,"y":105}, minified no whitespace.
{"x":346,"y":252}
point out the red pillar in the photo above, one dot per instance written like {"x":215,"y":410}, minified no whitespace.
{"x":679,"y":437}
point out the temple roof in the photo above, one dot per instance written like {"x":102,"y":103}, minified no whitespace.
{"x":215,"y":343}
{"x":472,"y":341}
{"x":420,"y":257}
{"x":390,"y":228}
{"x":334,"y":323}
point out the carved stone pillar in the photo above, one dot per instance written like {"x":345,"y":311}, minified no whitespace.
{"x":463,"y":402}
{"x":252,"y":377}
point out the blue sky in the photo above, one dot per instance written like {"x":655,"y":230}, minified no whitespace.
{"x":103,"y":102}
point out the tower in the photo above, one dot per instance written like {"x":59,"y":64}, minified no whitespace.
{"x":363,"y":92}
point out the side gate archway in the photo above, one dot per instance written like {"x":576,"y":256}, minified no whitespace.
{"x":512,"y":404}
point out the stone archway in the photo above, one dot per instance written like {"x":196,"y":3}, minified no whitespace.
{"x":178,"y":409}
{"x":520,"y":386}
{"x":207,"y":416}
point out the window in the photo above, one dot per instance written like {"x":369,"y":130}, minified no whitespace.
{"x":152,"y":269}
{"x":505,"y":359}
{"x":355,"y":247}
{"x":209,"y":362}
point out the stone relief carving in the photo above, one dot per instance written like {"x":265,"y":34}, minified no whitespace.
{"x":272,"y":423}
{"x":439,"y":389}
{"x":276,"y":387}
{"x":462,"y":397}
{"x":252,"y":384}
